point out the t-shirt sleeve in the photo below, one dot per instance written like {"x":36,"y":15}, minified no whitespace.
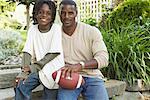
{"x":99,"y":48}
{"x":28,"y":47}
{"x":56,"y":44}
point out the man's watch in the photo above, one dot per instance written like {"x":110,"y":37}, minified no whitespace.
{"x":82,"y":64}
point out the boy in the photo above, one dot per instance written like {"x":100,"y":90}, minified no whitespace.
{"x":44,"y":45}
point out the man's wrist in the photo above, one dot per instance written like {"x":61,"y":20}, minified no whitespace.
{"x":82,"y":64}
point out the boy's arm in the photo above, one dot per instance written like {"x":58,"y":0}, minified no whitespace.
{"x":26,"y":61}
{"x":40,"y":64}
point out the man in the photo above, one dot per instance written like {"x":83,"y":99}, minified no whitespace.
{"x":84,"y":52}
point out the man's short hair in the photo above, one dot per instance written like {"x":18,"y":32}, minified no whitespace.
{"x":68,"y":2}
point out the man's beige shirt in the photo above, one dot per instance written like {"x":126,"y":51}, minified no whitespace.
{"x":85,"y":44}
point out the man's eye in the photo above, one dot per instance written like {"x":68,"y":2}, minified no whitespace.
{"x":70,"y":13}
{"x":62,"y":12}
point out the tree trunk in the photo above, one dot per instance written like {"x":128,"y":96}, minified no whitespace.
{"x":28,"y":15}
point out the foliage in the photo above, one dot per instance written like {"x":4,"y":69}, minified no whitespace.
{"x":27,"y":3}
{"x":24,"y":36}
{"x":129,"y":51}
{"x":6,"y":6}
{"x":127,"y":36}
{"x":7,"y":22}
{"x":10,"y":42}
{"x":90,"y":21}
{"x":128,"y":11}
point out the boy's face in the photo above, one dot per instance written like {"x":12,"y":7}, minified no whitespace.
{"x":44,"y":16}
{"x":68,"y":14}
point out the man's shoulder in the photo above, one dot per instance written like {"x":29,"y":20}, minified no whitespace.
{"x":86,"y":26}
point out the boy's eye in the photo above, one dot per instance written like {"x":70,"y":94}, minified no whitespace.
{"x":46,"y":13}
{"x":40,"y":12}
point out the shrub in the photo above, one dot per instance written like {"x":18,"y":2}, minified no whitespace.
{"x":90,"y":21}
{"x":129,"y":51}
{"x":128,"y":11}
{"x":10,"y":42}
{"x":9,"y":23}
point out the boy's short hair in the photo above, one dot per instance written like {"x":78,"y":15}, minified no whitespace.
{"x":39,"y":4}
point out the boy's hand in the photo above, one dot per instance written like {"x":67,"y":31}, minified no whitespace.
{"x":23,"y":75}
{"x":26,"y":69}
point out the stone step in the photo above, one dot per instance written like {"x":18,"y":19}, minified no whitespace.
{"x":9,"y":66}
{"x":7,"y":77}
{"x":8,"y":93}
{"x":9,"y":72}
{"x":114,"y":88}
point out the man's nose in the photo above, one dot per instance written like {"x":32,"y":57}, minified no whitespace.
{"x":66,"y":15}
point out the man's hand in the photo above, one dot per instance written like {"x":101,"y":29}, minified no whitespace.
{"x":70,"y":68}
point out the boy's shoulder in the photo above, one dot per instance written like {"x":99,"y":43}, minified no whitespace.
{"x":32,"y":26}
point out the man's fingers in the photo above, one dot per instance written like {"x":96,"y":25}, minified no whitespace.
{"x":64,"y":72}
{"x":68,"y":73}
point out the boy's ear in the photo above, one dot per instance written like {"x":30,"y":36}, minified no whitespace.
{"x":59,"y":12}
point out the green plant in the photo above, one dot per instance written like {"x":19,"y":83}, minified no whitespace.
{"x":129,"y":51}
{"x":128,"y":11}
{"x":90,"y":21}
{"x":27,"y":3}
{"x":10,"y":42}
{"x":9,"y":23}
{"x":24,"y":36}
{"x":6,"y":6}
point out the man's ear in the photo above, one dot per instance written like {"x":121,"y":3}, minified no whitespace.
{"x":76,"y":13}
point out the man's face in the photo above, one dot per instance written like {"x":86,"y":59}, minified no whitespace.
{"x":67,"y":15}
{"x":44,"y":16}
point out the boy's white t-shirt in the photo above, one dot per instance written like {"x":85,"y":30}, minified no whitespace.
{"x":39,"y":44}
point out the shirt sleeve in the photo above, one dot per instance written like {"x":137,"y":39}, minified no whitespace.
{"x":99,"y":48}
{"x":28,"y":47}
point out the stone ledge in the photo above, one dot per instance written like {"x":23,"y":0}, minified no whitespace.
{"x":114,"y":88}
{"x":7,"y":77}
{"x":138,"y":85}
{"x":9,"y":66}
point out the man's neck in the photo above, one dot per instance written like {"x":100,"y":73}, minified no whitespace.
{"x":69,"y":30}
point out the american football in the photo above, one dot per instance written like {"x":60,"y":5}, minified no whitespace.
{"x":72,"y":82}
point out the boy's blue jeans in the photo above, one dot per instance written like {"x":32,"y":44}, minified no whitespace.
{"x":93,"y":89}
{"x":24,"y":89}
